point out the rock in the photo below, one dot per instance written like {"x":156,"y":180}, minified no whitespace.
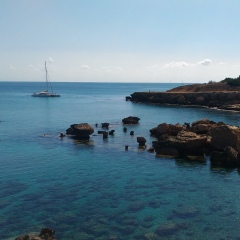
{"x":161,"y":129}
{"x":201,"y":128}
{"x":151,"y":236}
{"x":62,"y":135}
{"x":204,"y":137}
{"x":141,"y":141}
{"x":185,"y":143}
{"x":111,"y":132}
{"x":105,"y":125}
{"x":128,"y":98}
{"x":130,"y":120}
{"x":165,"y":128}
{"x":167,"y":228}
{"x":186,"y":212}
{"x":80,"y":131}
{"x":151,"y":149}
{"x":25,"y":237}
{"x":224,"y":136}
{"x":203,"y":121}
{"x":231,"y":154}
{"x":104,"y":133}
{"x":45,"y":234}
{"x":161,"y":149}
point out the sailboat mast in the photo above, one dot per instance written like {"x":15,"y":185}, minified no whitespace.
{"x":46,"y":75}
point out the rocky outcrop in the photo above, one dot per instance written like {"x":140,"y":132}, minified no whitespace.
{"x":130,"y":120}
{"x":80,"y":131}
{"x":223,"y":100}
{"x":219,"y":140}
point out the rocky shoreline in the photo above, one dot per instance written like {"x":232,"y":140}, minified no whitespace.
{"x":221,"y":100}
{"x":214,"y":95}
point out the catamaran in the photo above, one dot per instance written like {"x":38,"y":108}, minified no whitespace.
{"x":46,"y":93}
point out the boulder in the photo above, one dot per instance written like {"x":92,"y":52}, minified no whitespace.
{"x":201,"y":128}
{"x":111,"y":132}
{"x":165,"y":128}
{"x":203,"y":121}
{"x":141,"y":141}
{"x":130,"y":120}
{"x":225,"y":136}
{"x":80,"y":131}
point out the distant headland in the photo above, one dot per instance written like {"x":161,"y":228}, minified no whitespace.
{"x":222,"y":95}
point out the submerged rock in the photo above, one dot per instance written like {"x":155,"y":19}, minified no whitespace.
{"x":169,"y":228}
{"x":186,"y":212}
{"x":45,"y":234}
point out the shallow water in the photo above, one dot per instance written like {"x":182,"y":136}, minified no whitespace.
{"x":96,"y":189}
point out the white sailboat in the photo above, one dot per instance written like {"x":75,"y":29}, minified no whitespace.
{"x":46,"y":92}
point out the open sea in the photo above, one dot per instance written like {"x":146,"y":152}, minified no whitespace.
{"x":96,"y":190}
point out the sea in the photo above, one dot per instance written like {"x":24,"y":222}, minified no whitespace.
{"x":97,"y":190}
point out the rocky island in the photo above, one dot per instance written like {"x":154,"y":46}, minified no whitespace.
{"x":222,"y":95}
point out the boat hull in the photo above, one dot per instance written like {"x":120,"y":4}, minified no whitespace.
{"x":45,"y":95}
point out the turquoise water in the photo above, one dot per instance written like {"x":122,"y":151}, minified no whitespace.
{"x":96,"y":189}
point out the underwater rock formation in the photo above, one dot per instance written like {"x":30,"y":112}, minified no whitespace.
{"x":45,"y":234}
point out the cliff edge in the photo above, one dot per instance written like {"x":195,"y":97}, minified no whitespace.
{"x":215,"y":95}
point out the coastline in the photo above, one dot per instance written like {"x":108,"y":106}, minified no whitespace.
{"x":229,"y":100}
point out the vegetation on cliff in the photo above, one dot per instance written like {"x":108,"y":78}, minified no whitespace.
{"x":232,"y":81}
{"x":226,"y":85}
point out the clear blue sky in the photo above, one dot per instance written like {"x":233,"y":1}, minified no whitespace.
{"x":120,"y":40}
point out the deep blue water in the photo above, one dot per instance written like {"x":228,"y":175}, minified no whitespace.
{"x":97,"y":190}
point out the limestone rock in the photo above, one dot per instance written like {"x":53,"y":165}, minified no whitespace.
{"x":80,"y":131}
{"x":130,"y":120}
{"x":224,"y":136}
{"x":141,"y":141}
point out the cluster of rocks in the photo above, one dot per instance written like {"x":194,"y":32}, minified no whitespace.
{"x":83,"y":131}
{"x":45,"y":234}
{"x":222,"y":100}
{"x":203,"y":137}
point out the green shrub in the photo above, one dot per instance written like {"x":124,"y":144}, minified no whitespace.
{"x":232,"y":81}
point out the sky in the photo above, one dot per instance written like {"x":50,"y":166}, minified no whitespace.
{"x":186,"y":41}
